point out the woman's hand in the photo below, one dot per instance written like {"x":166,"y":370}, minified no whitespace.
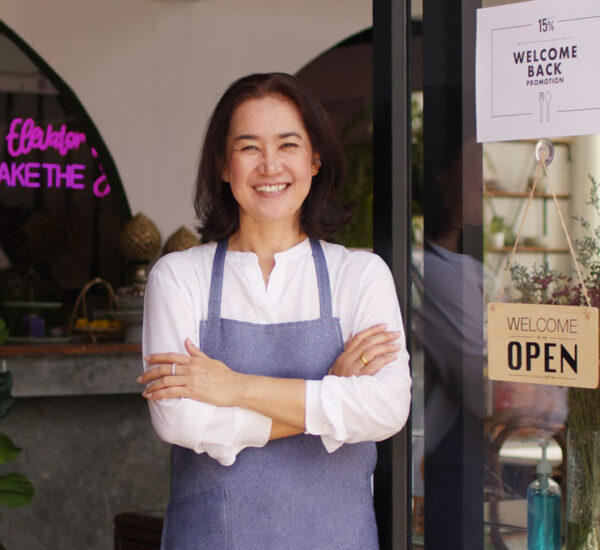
{"x":196,"y":376}
{"x":367,"y":352}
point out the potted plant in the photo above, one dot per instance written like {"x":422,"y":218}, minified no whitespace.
{"x":497,"y":230}
{"x":15,"y":489}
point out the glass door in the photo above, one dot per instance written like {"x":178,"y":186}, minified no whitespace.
{"x":476,"y":443}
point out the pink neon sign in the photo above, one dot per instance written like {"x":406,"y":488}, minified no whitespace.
{"x":25,"y":136}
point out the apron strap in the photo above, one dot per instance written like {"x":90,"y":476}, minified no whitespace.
{"x":322,"y":279}
{"x":216,"y":281}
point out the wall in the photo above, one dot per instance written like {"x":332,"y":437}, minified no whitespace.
{"x":149,"y":72}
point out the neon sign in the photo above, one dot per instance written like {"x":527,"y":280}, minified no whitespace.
{"x":25,"y":136}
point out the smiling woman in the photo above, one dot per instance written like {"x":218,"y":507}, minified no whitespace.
{"x":273,"y":359}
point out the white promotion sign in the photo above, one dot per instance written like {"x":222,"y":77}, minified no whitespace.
{"x":538,"y":70}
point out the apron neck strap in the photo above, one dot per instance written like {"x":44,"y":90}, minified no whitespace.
{"x":322,"y":278}
{"x":216,"y":281}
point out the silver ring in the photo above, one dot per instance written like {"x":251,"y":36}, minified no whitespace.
{"x":173,"y":369}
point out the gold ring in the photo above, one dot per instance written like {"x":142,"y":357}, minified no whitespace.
{"x":362,"y":358}
{"x":173,"y":369}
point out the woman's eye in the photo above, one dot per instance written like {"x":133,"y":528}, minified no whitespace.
{"x":249,"y":148}
{"x":289,"y":145}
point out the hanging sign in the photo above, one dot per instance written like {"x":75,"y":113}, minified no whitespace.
{"x":25,"y":136}
{"x":538,"y":70}
{"x":543,"y":344}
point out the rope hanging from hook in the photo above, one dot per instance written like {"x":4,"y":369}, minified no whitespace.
{"x":545,"y":154}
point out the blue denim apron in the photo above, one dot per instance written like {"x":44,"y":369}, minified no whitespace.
{"x":290,"y":494}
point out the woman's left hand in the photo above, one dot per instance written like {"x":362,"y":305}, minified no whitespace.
{"x":196,"y":376}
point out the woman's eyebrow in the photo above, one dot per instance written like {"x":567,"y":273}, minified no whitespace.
{"x":290,"y":134}
{"x":245,"y":136}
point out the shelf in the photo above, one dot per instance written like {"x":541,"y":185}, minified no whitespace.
{"x":519,"y":195}
{"x":72,"y":348}
{"x":528,"y":250}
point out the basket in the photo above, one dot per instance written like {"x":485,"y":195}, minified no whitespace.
{"x":139,"y":239}
{"x":95,"y":330}
{"x":182,"y":239}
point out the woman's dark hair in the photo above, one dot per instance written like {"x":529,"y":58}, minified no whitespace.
{"x":322,"y":214}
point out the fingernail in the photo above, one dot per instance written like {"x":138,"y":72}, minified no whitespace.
{"x":138,"y":379}
{"x":147,"y":359}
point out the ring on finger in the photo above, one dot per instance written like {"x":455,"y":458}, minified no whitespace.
{"x":173,"y":369}
{"x":362,"y":358}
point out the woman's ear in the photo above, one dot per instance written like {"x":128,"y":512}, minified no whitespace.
{"x":316,"y":164}
{"x":225,"y":173}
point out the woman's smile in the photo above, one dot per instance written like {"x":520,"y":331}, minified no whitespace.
{"x":271,"y":188}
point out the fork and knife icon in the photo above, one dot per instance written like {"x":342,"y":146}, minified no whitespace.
{"x":545,"y":97}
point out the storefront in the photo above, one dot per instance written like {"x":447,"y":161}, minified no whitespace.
{"x":445,"y":216}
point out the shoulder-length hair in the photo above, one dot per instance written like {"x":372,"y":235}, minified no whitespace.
{"x":322,"y":214}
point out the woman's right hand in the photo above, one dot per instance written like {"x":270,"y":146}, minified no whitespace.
{"x":367,"y":352}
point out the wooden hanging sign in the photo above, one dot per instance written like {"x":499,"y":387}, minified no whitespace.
{"x":543,"y":344}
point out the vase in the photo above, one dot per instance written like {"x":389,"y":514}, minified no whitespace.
{"x":583,"y":489}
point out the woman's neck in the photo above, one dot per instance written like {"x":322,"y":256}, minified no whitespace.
{"x":265,"y":241}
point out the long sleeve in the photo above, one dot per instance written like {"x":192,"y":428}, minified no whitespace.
{"x":169,"y":318}
{"x":364,"y":408}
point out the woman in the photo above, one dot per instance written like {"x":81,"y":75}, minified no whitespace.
{"x":272,"y":418}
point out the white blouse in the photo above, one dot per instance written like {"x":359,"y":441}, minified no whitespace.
{"x":340,"y":410}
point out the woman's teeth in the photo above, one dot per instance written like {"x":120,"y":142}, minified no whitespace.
{"x":271,"y":188}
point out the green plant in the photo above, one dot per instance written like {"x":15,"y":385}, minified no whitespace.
{"x":357,"y":140}
{"x":15,"y":489}
{"x":497,"y":224}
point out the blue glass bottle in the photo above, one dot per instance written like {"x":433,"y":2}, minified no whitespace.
{"x":543,"y":509}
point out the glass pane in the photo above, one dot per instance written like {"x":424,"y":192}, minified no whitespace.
{"x":477,"y":444}
{"x":60,"y":211}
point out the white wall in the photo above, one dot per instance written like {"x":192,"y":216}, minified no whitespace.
{"x":148,"y":72}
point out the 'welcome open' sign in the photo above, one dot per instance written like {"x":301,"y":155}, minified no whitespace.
{"x":543,"y":344}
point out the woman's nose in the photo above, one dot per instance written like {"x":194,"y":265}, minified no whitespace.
{"x":270,"y":164}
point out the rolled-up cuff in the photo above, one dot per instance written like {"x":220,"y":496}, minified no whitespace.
{"x":252,"y":429}
{"x":316,"y":419}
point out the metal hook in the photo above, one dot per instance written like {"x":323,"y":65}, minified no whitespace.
{"x":544,"y":148}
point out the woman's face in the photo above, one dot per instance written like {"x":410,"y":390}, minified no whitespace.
{"x":269,"y":160}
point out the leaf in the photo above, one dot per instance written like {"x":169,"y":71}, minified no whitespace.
{"x":6,"y":400}
{"x":3,"y":332}
{"x":15,"y":490}
{"x":8,"y":450}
